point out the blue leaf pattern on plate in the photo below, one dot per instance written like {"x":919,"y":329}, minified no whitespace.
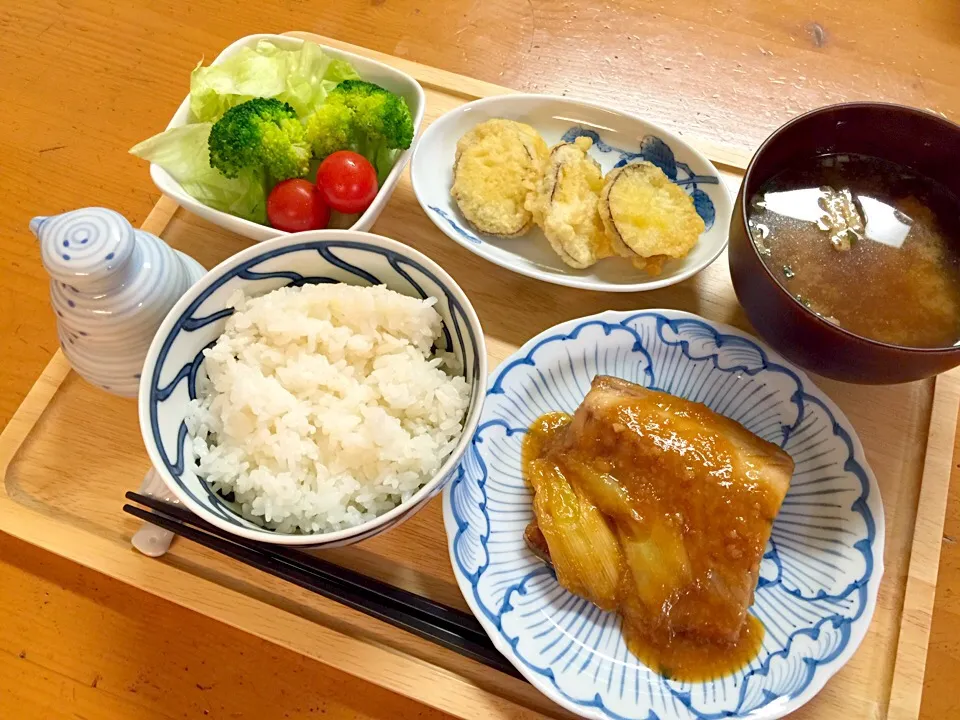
{"x":656,"y":151}
{"x":819,"y":574}
{"x":704,"y":206}
{"x":466,"y":235}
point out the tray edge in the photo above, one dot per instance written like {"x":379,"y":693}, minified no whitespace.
{"x":472,"y":89}
{"x":916,"y":616}
{"x":352,"y":655}
{"x":367,"y":661}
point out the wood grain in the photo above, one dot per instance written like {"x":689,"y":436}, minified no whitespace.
{"x":147,"y":658}
{"x":922,"y":573}
{"x":90,"y":78}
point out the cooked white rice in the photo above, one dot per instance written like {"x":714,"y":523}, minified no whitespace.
{"x":323,"y":406}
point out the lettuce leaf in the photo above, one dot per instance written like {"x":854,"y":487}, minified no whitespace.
{"x":183,"y":153}
{"x":301,"y":77}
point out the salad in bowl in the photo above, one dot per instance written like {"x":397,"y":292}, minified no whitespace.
{"x":280,"y":134}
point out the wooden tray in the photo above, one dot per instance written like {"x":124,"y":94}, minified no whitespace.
{"x":71,"y":451}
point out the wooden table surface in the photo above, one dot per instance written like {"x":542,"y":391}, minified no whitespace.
{"x":83,"y":81}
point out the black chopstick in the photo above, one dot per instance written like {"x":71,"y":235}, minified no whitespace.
{"x":453,"y":619}
{"x":444,"y":625}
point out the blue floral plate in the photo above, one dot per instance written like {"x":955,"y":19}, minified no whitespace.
{"x":818,"y":579}
{"x":618,"y":138}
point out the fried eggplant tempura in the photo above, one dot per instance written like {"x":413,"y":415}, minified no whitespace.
{"x":648,"y":218}
{"x":565,"y":204}
{"x":498,"y":163}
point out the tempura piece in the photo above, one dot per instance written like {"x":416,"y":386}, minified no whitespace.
{"x":565,"y":204}
{"x":647,"y":216}
{"x":498,"y":162}
{"x":653,"y":264}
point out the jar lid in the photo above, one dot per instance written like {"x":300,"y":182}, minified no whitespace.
{"x":83,"y":248}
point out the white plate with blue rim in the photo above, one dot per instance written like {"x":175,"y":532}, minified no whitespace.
{"x":618,"y":138}
{"x":818,"y":578}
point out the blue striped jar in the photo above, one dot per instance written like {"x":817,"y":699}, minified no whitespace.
{"x":111,"y":286}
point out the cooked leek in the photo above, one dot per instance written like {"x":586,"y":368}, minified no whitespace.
{"x":583,"y":548}
{"x":657,"y":559}
{"x":603,"y":489}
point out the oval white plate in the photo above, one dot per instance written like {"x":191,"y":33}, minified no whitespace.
{"x":618,"y":138}
{"x":818,"y":579}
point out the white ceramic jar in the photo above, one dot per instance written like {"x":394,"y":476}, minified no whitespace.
{"x":111,"y":285}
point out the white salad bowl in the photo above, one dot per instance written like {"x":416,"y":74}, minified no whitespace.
{"x":819,"y":576}
{"x":175,"y":359}
{"x":618,"y":138}
{"x":376,"y":72}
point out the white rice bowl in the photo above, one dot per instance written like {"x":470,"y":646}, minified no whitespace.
{"x":324,"y":406}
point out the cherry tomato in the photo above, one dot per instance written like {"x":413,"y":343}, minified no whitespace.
{"x":295,"y":205}
{"x":348,"y":181}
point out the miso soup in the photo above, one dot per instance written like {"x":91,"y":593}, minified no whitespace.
{"x":867,"y":244}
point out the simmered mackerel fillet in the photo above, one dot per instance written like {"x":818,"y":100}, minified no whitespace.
{"x":688,"y":498}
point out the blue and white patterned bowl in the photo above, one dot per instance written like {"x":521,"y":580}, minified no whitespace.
{"x":198,"y":319}
{"x":818,"y":579}
{"x":618,"y":138}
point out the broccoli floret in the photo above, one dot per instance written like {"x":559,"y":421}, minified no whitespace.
{"x":362,"y":117}
{"x":260,"y":133}
{"x":383,"y":116}
{"x":330,"y":129}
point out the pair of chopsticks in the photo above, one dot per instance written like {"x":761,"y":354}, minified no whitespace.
{"x":442,"y":624}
